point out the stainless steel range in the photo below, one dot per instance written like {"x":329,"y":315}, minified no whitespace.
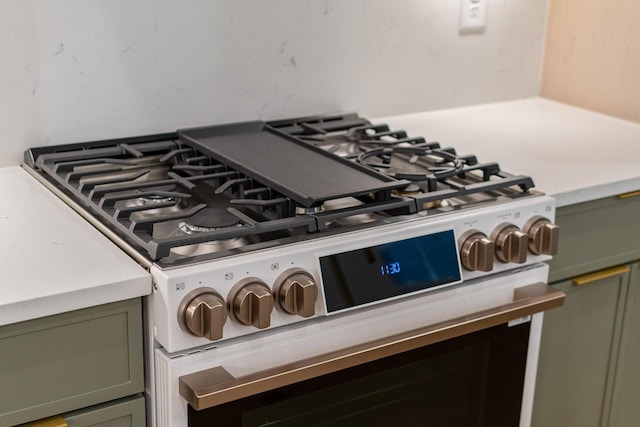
{"x":298,"y":264}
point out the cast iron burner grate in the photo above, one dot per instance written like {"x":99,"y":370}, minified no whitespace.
{"x":157,"y":191}
{"x":437,"y":173}
{"x":123,"y":180}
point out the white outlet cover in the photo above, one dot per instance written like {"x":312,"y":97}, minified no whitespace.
{"x":473,"y":15}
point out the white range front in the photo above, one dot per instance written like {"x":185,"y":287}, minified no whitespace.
{"x":171,"y":286}
{"x":247,"y":350}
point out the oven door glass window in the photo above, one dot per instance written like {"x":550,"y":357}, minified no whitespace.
{"x":473,"y":380}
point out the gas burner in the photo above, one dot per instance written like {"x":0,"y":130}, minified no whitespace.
{"x":301,"y":210}
{"x":419,"y":163}
{"x":368,"y":133}
{"x":151,"y":204}
{"x":410,"y":190}
{"x":355,"y":141}
{"x":205,"y":220}
{"x":155,"y":199}
{"x":208,"y":219}
{"x":414,"y":190}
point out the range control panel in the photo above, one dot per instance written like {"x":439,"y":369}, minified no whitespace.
{"x":205,"y":303}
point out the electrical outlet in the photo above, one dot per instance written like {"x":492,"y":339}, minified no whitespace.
{"x":473,"y":15}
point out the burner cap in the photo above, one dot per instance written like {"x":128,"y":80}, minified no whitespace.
{"x":155,"y":198}
{"x":410,"y":190}
{"x":208,"y":219}
{"x":300,"y":210}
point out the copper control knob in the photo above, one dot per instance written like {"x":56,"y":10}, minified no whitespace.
{"x":251,"y":303}
{"x":476,"y":251}
{"x":511,"y":243}
{"x":296,"y":292}
{"x":202,"y":313}
{"x":543,"y":236}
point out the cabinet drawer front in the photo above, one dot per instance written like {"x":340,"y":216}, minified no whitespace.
{"x":129,"y":412}
{"x":69,"y":361}
{"x":596,"y":235}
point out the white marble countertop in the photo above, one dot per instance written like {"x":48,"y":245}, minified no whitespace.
{"x":51,"y":259}
{"x":572,"y":154}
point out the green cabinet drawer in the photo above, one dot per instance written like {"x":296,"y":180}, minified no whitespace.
{"x":69,"y":361}
{"x":128,"y":412}
{"x":596,"y":235}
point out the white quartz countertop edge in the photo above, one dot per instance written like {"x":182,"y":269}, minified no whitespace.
{"x":55,"y":303}
{"x":52,"y":260}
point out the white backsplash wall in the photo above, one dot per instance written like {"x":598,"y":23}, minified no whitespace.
{"x":76,"y":70}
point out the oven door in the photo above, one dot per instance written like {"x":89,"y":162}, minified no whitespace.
{"x":477,"y":367}
{"x":472,"y":380}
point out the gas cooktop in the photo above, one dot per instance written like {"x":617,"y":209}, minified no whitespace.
{"x":204,"y":193}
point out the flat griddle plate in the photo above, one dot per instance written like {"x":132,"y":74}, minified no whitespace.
{"x":306,"y":174}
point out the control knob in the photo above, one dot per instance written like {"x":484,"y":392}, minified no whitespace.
{"x":295,"y":292}
{"x":511,"y":243}
{"x":543,"y":236}
{"x":202,"y":313}
{"x":476,"y":251}
{"x":251,"y":303}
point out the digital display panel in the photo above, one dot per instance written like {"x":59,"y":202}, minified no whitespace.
{"x":379,"y":272}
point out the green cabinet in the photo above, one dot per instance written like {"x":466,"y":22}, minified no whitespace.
{"x":128,"y":412}
{"x":62,"y":363}
{"x":625,"y":406}
{"x":578,"y":351}
{"x":596,"y":235}
{"x":589,"y":366}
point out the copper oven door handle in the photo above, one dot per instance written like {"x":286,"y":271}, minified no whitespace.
{"x":215,"y":386}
